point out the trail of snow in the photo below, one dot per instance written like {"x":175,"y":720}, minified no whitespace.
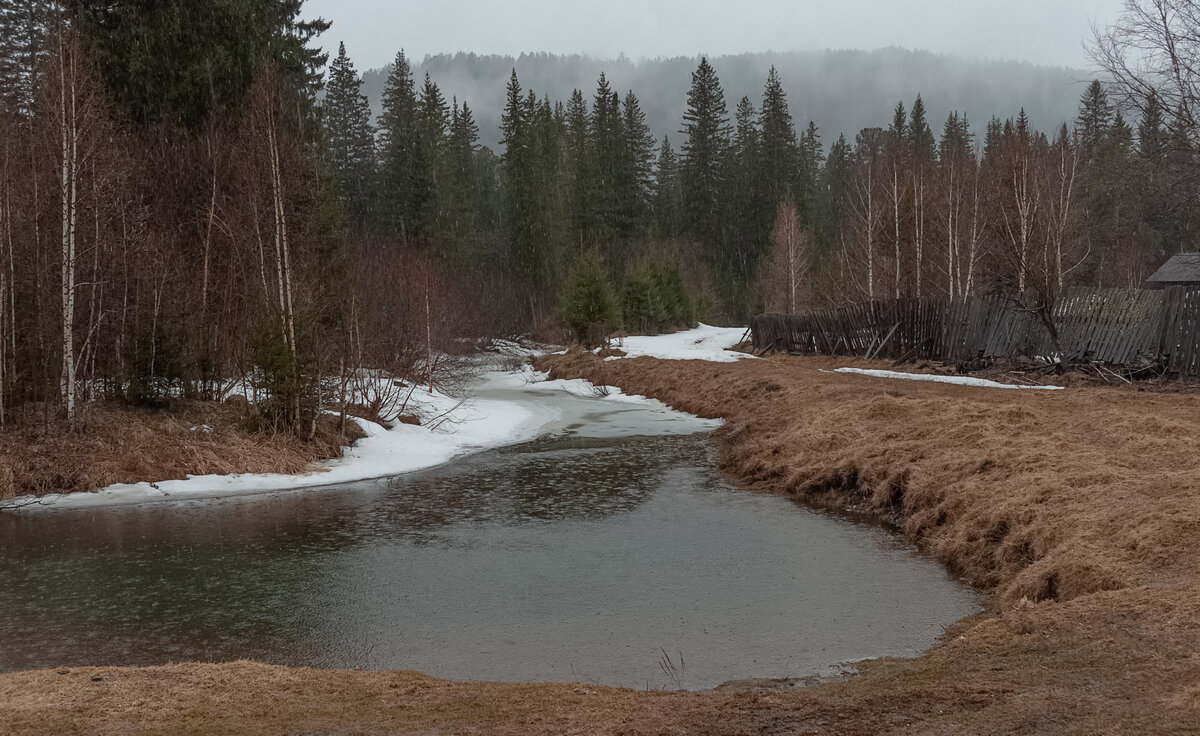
{"x":703,"y":343}
{"x":956,"y":380}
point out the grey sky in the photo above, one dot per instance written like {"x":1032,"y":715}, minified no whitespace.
{"x":1040,"y":31}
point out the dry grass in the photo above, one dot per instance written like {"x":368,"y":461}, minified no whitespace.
{"x":121,"y":445}
{"x":1078,"y":513}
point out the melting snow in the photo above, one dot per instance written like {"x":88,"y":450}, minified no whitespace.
{"x":957,"y":380}
{"x":703,"y":343}
{"x":452,"y":427}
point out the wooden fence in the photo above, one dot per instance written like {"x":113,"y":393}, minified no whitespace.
{"x":1121,"y":327}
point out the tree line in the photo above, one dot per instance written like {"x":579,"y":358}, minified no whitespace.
{"x":900,"y":211}
{"x":196,"y":200}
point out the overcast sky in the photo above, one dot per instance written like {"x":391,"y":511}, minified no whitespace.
{"x":1040,"y":31}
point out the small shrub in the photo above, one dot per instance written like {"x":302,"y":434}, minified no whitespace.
{"x":290,"y":382}
{"x":655,"y":298}
{"x":589,"y":303}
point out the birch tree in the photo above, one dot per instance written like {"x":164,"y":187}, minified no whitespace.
{"x":1021,"y":201}
{"x":77,"y":120}
{"x":957,"y":167}
{"x":785,"y":271}
{"x":897,"y":186}
{"x":922,"y":158}
{"x":867,"y":203}
{"x":1060,"y":188}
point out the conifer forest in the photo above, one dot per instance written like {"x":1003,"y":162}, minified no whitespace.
{"x":239,"y":213}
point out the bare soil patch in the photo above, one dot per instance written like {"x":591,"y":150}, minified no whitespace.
{"x":1077,"y":512}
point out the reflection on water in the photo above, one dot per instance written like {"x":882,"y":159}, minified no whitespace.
{"x":569,"y":558}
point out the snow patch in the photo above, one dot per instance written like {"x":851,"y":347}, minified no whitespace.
{"x":703,"y":343}
{"x":956,"y":380}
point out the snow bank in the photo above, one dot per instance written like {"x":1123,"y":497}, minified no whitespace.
{"x":956,"y":380}
{"x":450,"y":428}
{"x":455,"y":427}
{"x":703,"y":343}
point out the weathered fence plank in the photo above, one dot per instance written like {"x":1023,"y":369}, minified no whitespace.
{"x":1113,"y":326}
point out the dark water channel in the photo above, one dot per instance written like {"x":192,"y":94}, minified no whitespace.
{"x":570,"y":558}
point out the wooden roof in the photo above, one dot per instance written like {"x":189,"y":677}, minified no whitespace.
{"x":1181,"y":269}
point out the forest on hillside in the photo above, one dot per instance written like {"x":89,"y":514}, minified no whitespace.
{"x":841,"y":91}
{"x":194,"y":196}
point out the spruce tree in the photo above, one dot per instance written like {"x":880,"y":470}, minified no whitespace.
{"x":811,"y":149}
{"x":810,"y":194}
{"x":1152,"y":137}
{"x":921,"y":142}
{"x":464,"y":220}
{"x":604,"y":147}
{"x":350,"y":138}
{"x":1095,"y":115}
{"x":516,"y":165}
{"x":668,"y":196}
{"x":781,"y":166}
{"x":1110,"y":200}
{"x":636,"y":171}
{"x":749,"y":205}
{"x":578,"y":157}
{"x":399,"y":189}
{"x":837,"y":177}
{"x":533,"y":201}
{"x":702,"y":174}
{"x":1154,"y":192}
{"x":514,"y":123}
{"x":898,"y":130}
{"x":178,"y":61}
{"x":548,"y":217}
{"x":431,"y":177}
{"x":992,"y":140}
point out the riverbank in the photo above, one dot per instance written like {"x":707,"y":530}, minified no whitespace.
{"x":1076,"y":511}
{"x":41,"y":457}
{"x":191,"y":450}
{"x":205,"y":450}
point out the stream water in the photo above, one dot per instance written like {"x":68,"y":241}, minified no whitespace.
{"x":594,"y":554}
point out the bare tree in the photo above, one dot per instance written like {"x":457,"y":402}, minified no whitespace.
{"x":867,"y":207}
{"x":896,"y":192}
{"x":974,"y":244}
{"x":785,"y":269}
{"x":1021,"y":200}
{"x":1060,"y":173}
{"x":7,"y":324}
{"x":1153,"y":50}
{"x":75,"y":105}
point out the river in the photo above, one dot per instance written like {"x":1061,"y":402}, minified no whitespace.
{"x":608,"y":551}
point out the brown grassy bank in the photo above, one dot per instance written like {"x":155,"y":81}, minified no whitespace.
{"x":1077,"y":511}
{"x":122,"y":445}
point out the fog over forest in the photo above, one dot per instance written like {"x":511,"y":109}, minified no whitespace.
{"x":842,"y":91}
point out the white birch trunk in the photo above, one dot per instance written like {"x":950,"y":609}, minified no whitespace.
{"x":973,"y":249}
{"x":896,"y":221}
{"x":70,"y":153}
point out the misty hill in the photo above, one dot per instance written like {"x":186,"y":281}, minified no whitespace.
{"x":842,"y":91}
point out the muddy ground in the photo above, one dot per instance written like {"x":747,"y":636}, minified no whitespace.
{"x":1076,"y":512}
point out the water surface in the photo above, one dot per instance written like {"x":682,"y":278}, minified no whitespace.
{"x":582,"y":556}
